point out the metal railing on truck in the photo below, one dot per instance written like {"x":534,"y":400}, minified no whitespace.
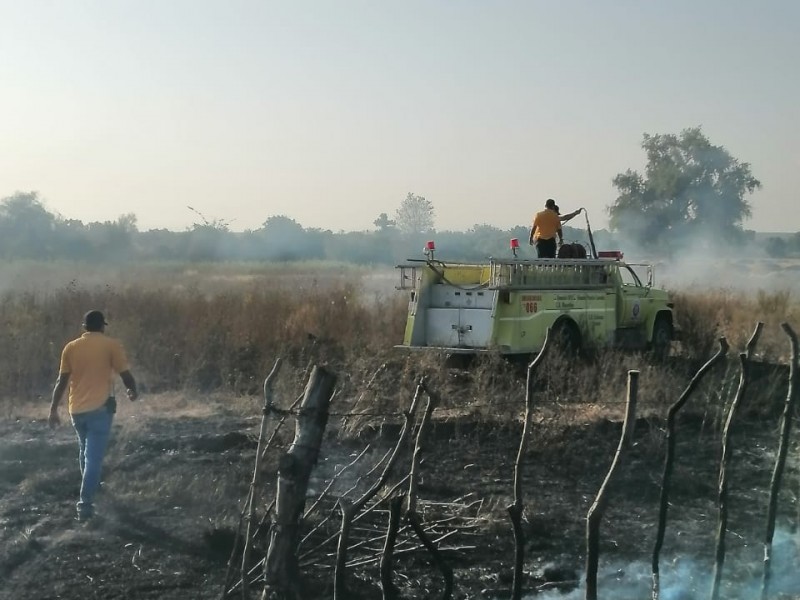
{"x":550,"y":273}
{"x":546,"y":273}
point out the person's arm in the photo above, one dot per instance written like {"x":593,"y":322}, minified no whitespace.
{"x":58,"y":393}
{"x":130,"y":385}
{"x":119,"y":361}
{"x":560,"y":235}
{"x":569,"y":216}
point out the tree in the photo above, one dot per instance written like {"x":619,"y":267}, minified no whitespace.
{"x":128,"y":223}
{"x":27,"y":229}
{"x":283,"y":238}
{"x":113,"y":240}
{"x":281,"y":224}
{"x":209,"y":223}
{"x":690,"y":188}
{"x":415,"y":215}
{"x":384,"y":223}
{"x":776,"y":247}
{"x":205,"y":239}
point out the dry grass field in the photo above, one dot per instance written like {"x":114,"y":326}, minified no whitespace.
{"x":201,"y":340}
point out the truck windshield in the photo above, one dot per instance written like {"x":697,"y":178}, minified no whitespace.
{"x":629,"y":276}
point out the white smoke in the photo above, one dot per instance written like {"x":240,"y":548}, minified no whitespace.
{"x":685,"y":578}
{"x":704,"y":263}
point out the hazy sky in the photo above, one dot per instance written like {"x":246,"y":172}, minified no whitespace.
{"x":331,"y":111}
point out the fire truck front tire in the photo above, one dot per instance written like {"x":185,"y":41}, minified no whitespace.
{"x":662,"y":338}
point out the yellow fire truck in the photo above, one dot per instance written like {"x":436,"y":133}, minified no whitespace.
{"x":508,"y":305}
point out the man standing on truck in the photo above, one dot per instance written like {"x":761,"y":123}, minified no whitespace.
{"x":87,"y":368}
{"x":546,"y":226}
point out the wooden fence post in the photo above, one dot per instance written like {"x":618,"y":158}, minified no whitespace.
{"x":722,"y":492}
{"x":780,"y":461}
{"x":515,"y":510}
{"x":281,"y":571}
{"x":250,"y":505}
{"x":388,"y":588}
{"x":412,"y":516}
{"x":598,"y":507}
{"x":666,"y":480}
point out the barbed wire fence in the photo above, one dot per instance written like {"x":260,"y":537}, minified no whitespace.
{"x":373,"y":530}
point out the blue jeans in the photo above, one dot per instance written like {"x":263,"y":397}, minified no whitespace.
{"x":93,"y":429}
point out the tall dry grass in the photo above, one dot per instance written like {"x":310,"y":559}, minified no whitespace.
{"x":704,"y":316}
{"x":182,"y":338}
{"x":195,"y":331}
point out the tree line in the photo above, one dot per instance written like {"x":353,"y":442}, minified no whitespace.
{"x":29,"y":231}
{"x":690,"y":191}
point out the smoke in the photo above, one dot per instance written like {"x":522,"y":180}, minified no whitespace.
{"x":43,"y":276}
{"x":705,"y":262}
{"x":745,"y":275}
{"x":699,"y":257}
{"x":685,"y":578}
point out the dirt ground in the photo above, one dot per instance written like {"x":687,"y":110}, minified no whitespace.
{"x":179,"y":467}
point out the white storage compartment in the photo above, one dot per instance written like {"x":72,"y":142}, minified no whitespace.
{"x":442,"y":327}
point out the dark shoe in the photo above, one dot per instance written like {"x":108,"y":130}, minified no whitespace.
{"x":85,"y":516}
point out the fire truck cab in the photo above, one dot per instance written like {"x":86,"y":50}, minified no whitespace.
{"x":508,"y":305}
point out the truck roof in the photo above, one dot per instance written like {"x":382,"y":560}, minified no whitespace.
{"x":546,"y":273}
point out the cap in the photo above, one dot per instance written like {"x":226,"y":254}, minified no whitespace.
{"x":94,"y":320}
{"x":550,"y":203}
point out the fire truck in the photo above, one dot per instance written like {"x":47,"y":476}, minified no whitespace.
{"x":508,"y":305}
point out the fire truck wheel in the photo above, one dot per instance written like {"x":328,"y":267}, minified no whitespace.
{"x":567,"y":337}
{"x":662,"y":337}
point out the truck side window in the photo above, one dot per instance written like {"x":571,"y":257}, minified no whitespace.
{"x":628,"y":276}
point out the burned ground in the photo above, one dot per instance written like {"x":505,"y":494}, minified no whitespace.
{"x":178,"y":471}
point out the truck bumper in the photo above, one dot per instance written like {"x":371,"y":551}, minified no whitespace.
{"x":443,"y":349}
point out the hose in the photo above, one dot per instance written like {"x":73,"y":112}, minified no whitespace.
{"x":589,"y":230}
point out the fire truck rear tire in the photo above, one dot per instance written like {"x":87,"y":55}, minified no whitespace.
{"x":567,"y":337}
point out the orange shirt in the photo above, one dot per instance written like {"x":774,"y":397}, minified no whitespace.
{"x":91,"y":361}
{"x":546,"y":224}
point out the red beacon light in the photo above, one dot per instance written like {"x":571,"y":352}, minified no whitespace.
{"x":612,"y":254}
{"x":429,"y":249}
{"x":514,"y":246}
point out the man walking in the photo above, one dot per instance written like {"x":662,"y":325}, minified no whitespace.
{"x":546,"y":225}
{"x":88,"y":365}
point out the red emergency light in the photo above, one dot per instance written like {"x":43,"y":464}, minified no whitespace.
{"x":429,"y":245}
{"x":613,"y":254}
{"x":514,"y":243}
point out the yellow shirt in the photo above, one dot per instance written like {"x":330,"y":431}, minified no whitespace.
{"x":91,"y":362}
{"x":546,"y":224}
